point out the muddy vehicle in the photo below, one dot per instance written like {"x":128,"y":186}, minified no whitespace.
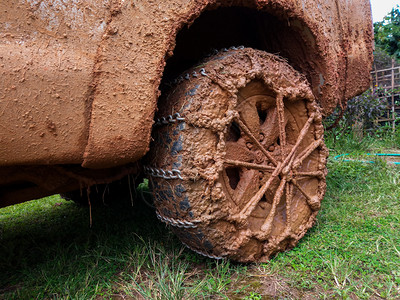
{"x":219,"y":103}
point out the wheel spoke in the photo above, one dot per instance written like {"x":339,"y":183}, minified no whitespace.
{"x":250,"y":206}
{"x":311,"y":201}
{"x":289,"y":159}
{"x":289,"y":198}
{"x":266,"y":228}
{"x":304,"y":131}
{"x":255,"y":141}
{"x":249,"y":165}
{"x":306,"y":152}
{"x":281,"y":123}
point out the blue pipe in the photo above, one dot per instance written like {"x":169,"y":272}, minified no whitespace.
{"x":370,"y":161}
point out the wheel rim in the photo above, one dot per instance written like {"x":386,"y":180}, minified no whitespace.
{"x":271,"y":159}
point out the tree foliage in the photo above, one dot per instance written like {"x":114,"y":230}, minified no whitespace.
{"x":363,"y":109}
{"x":387,"y":33}
{"x":382,"y":60}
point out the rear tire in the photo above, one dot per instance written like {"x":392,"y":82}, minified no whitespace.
{"x":240,"y":171}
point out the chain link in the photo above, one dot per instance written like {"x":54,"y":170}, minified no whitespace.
{"x":176,"y":222}
{"x":202,"y":253}
{"x":158,"y":172}
{"x":170,"y":119}
{"x":202,"y":71}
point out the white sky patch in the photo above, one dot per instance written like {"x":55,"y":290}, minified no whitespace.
{"x":380,"y":8}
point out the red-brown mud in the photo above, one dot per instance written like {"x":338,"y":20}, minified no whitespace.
{"x":79,"y":81}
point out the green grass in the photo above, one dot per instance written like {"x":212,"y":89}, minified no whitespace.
{"x":354,"y":249}
{"x":49,"y":251}
{"x":383,"y":139}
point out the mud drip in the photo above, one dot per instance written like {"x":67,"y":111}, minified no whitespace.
{"x":251,"y":154}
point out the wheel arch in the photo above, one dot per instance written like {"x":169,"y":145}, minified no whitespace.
{"x":284,"y":28}
{"x":146,"y":45}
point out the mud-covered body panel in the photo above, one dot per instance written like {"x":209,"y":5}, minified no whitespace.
{"x":46,"y":65}
{"x":80,"y":80}
{"x":337,"y":34}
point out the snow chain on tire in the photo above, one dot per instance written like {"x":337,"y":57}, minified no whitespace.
{"x":238,"y":162}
